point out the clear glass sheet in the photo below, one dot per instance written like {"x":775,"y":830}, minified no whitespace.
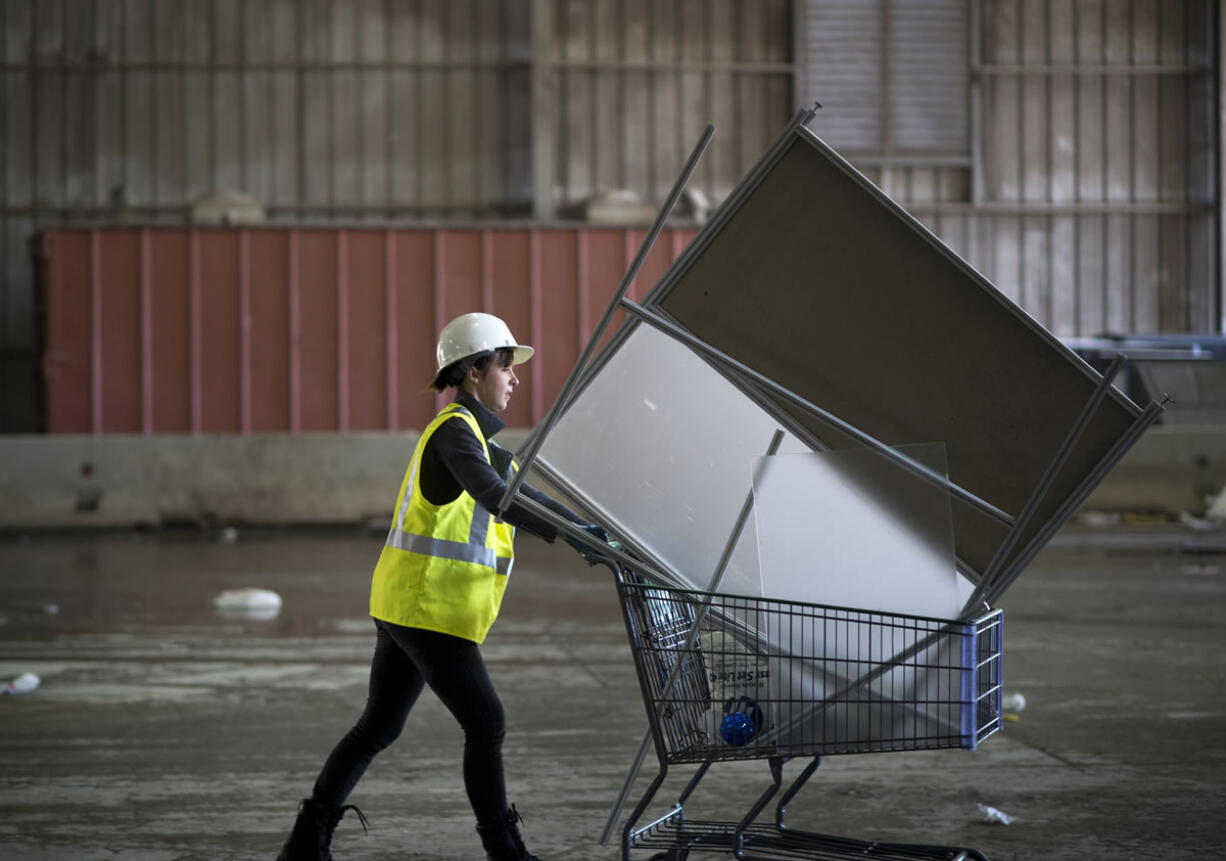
{"x":853,"y":529}
{"x":665,"y":447}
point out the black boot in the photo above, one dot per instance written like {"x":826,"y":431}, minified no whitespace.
{"x":312,"y":834}
{"x":501,"y":838}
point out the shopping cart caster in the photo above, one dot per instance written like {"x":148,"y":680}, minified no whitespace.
{"x":670,"y":855}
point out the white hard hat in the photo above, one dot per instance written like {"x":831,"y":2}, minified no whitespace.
{"x":476,"y":333}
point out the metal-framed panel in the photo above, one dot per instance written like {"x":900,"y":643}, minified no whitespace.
{"x":1032,"y":451}
{"x":827,"y":291}
{"x":816,"y":242}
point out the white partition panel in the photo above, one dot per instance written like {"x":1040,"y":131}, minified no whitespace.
{"x":854,"y":529}
{"x":666,"y":447}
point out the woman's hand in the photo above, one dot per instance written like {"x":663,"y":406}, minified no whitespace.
{"x":590,"y":554}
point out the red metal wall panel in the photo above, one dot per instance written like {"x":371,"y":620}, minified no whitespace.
{"x":269,"y":328}
{"x":557,"y":334}
{"x":416,"y":332}
{"x":257,"y":330}
{"x":68,"y":364}
{"x":606,"y":266}
{"x":655,"y":264}
{"x":119,"y":311}
{"x":169,"y":331}
{"x":317,"y":329}
{"x":218,"y":321}
{"x":367,"y":370}
{"x":457,"y":278}
{"x":509,"y":272}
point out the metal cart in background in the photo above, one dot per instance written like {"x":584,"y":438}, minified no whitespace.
{"x":727,"y":678}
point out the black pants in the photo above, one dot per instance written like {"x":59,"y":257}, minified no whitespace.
{"x":405,"y":660}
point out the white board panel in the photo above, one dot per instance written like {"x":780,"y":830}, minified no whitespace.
{"x":854,"y":529}
{"x":666,"y":446}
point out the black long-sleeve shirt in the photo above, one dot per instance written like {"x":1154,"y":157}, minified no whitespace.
{"x":454,"y":462}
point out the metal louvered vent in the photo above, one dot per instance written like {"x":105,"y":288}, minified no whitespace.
{"x":892,"y":77}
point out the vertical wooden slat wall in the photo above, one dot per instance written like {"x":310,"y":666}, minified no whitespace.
{"x":1099,"y":178}
{"x":1066,"y":148}
{"x":638,"y":81}
{"x":1083,"y":182}
{"x":355,"y":112}
{"x":269,"y":330}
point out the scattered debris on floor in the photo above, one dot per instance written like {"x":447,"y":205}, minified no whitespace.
{"x":1199,"y":524}
{"x":23,"y":684}
{"x":992,"y":816}
{"x":24,"y":610}
{"x":1098,"y":519}
{"x":248,"y":603}
{"x":1013,"y":702}
{"x":1215,"y":508}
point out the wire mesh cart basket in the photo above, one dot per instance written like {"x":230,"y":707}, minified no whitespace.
{"x":728,"y":678}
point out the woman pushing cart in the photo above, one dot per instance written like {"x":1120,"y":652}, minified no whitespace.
{"x":436,"y":591}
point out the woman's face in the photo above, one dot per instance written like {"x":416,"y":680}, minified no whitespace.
{"x":494,"y":389}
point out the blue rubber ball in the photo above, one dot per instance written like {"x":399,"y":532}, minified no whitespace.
{"x":737,"y":729}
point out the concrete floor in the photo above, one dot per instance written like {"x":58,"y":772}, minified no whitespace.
{"x":165,"y":731}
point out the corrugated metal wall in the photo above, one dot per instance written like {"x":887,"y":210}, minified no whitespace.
{"x":177,"y":330}
{"x":1067,"y":148}
{"x":637,"y":82}
{"x":1083,"y":180}
{"x":134,"y":108}
{"x":350,"y":111}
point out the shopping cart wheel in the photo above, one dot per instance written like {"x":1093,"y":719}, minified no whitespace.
{"x":670,"y":855}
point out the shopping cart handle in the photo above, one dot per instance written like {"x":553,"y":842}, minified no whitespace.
{"x":616,"y":566}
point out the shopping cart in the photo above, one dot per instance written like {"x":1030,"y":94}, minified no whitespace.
{"x":729,"y":677}
{"x":736,"y":678}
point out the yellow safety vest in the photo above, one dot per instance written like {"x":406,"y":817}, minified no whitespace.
{"x":444,"y":567}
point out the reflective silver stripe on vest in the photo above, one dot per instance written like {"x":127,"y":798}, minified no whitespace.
{"x":453,"y":550}
{"x":480,"y":527}
{"x":474,"y":551}
{"x":398,"y":526}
